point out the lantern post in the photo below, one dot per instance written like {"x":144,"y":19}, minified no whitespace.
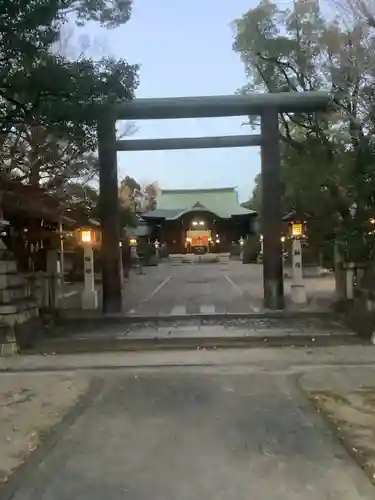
{"x":297,"y":288}
{"x":157,"y":248}
{"x":89,"y":297}
{"x":242,"y":243}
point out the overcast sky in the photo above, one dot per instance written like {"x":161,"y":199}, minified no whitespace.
{"x":185,"y":49}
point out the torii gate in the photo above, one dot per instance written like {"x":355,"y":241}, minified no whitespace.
{"x":267,"y":106}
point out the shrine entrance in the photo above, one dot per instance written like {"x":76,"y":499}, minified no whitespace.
{"x":267,"y":106}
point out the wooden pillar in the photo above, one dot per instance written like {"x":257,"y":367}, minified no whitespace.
{"x":109,"y":217}
{"x":273,"y":284}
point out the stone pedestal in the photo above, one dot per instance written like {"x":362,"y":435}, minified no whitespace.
{"x":297,"y":288}
{"x":89,"y":296}
{"x":298,"y":294}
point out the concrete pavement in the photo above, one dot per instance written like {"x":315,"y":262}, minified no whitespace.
{"x":227,"y":287}
{"x":220,"y":288}
{"x":287,"y":360}
{"x":214,"y":425}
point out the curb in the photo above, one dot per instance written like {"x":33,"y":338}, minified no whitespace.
{"x":69,"y":316}
{"x":102,"y":344}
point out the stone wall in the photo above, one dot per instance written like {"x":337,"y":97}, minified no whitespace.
{"x":19,"y":312}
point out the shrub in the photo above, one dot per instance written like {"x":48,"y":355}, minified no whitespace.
{"x":235,"y":250}
{"x":163,"y":251}
{"x":251,"y":250}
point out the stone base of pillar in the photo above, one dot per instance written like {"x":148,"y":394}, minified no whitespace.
{"x":8,"y":342}
{"x":298,"y":294}
{"x":89,"y":299}
{"x":9,"y":349}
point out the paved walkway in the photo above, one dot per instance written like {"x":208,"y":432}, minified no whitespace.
{"x":232,"y":287}
{"x":188,"y":433}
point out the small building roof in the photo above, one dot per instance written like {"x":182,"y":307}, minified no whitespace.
{"x":173,"y":203}
{"x":30,"y":201}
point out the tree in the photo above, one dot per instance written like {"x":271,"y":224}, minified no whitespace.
{"x":326,"y":159}
{"x":130,"y":193}
{"x":49,"y":102}
{"x":352,"y":9}
{"x":82,"y":200}
{"x":109,"y":13}
{"x":150,"y":193}
{"x":35,"y":156}
{"x":255,"y":202}
{"x":38,"y":86}
{"x":38,"y":155}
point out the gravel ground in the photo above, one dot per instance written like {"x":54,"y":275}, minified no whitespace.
{"x":347,"y":401}
{"x":29,"y":407}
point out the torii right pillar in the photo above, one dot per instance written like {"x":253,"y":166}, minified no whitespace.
{"x":273,"y":282}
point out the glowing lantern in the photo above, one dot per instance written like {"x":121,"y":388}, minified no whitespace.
{"x":297,"y":229}
{"x":86,"y":236}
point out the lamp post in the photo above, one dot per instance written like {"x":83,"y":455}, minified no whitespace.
{"x":121,"y":263}
{"x":260,"y":257}
{"x":297,"y":288}
{"x":157,"y":248}
{"x":242,"y":243}
{"x":89,"y":295}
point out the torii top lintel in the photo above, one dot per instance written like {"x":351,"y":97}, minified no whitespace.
{"x":216,"y":106}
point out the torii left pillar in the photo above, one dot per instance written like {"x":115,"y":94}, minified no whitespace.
{"x":109,"y":216}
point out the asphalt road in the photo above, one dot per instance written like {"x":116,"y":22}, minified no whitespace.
{"x":189,"y":433}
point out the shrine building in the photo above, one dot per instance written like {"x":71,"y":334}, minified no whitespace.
{"x":199,"y":220}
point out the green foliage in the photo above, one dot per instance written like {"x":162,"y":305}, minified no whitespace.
{"x":251,"y":249}
{"x":327,"y":159}
{"x":146,"y":252}
{"x":82,"y":201}
{"x":38,"y":86}
{"x":34,"y":155}
{"x":235,"y":250}
{"x":149,"y":196}
{"x":129,"y":193}
{"x":65,"y":97}
{"x":109,"y":13}
{"x":136,"y":197}
{"x":49,"y":104}
{"x":255,"y":202}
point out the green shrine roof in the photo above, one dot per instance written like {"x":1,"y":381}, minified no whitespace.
{"x":173,"y":203}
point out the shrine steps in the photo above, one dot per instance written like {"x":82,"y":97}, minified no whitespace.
{"x":191,"y":258}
